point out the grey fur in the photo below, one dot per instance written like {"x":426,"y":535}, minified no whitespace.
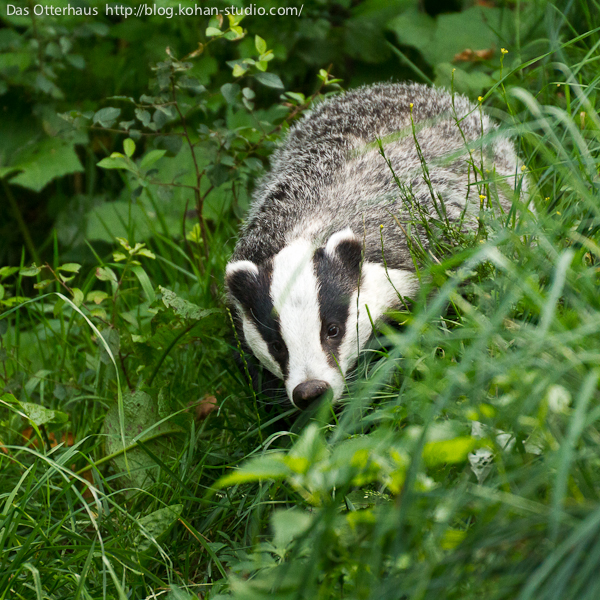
{"x":325,"y":177}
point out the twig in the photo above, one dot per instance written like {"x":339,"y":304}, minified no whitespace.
{"x":199,"y":198}
{"x":21,"y":223}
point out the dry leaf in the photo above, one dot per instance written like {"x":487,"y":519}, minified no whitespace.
{"x":203,"y":408}
{"x":469,"y":55}
{"x":87,"y":475}
{"x":67,"y":438}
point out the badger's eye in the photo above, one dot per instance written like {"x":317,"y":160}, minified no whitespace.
{"x":276,"y":347}
{"x":333,"y":330}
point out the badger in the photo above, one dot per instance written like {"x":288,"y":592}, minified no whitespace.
{"x":322,"y":254}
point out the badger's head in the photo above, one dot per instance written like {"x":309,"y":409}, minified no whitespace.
{"x":303,"y":312}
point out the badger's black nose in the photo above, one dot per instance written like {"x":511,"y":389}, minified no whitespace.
{"x":304,"y":393}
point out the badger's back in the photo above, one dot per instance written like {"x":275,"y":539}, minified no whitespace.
{"x":329,"y":174}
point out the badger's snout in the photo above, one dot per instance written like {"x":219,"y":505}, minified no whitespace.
{"x":307,"y":392}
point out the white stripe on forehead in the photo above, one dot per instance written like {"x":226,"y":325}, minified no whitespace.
{"x":295,"y":295}
{"x":293,"y":279}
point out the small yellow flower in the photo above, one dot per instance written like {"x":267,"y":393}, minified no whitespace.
{"x":381,"y":226}
{"x":523,"y":168}
{"x":557,"y":213}
{"x":480,"y":98}
{"x":482,"y":197}
{"x":504,"y":50}
{"x":558,"y":85}
{"x":547,"y":198}
{"x":411,"y":105}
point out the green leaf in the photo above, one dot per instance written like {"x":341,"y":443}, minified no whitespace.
{"x":143,"y":116}
{"x":156,"y":525}
{"x":269,"y":79}
{"x":106,"y":274}
{"x":288,"y":525}
{"x":449,"y":451}
{"x":477,"y":28}
{"x":183,"y":308}
{"x":171,"y":143}
{"x":267,"y":56}
{"x":239,"y":70}
{"x":19,"y":61}
{"x":254,"y":164}
{"x":260,"y":44}
{"x":96,"y":296}
{"x":106,"y":117}
{"x":212,"y":32}
{"x":43,"y":284}
{"x":271,"y":466}
{"x":35,"y":380}
{"x":31,"y":271}
{"x":299,"y":98}
{"x":70,"y":267}
{"x":147,"y":253}
{"x":142,"y":421}
{"x":151,"y":157}
{"x":116,"y":162}
{"x":7,"y":272}
{"x":230,"y":92}
{"x":40,"y":163}
{"x":218,"y":174}
{"x":40,"y":415}
{"x":191,"y":84}
{"x":413,"y":28}
{"x":77,"y":297}
{"x":127,"y":99}
{"x":144,"y":281}
{"x":129,"y":147}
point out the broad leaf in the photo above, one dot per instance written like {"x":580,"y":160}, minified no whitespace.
{"x":39,"y":164}
{"x":269,"y":79}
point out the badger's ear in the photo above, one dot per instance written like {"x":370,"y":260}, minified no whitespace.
{"x":241,"y":279}
{"x":346,"y":247}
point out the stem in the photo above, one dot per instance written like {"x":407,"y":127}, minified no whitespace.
{"x":199,"y":198}
{"x":122,"y":359}
{"x":166,"y":353}
{"x":21,"y":223}
{"x":126,"y":132}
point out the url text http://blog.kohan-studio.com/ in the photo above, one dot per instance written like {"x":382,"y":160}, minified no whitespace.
{"x":151,"y":10}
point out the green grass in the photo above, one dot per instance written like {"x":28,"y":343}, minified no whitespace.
{"x":376,"y":499}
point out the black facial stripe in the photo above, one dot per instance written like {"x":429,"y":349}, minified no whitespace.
{"x":337,"y":282}
{"x":260,"y":310}
{"x":243,"y":285}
